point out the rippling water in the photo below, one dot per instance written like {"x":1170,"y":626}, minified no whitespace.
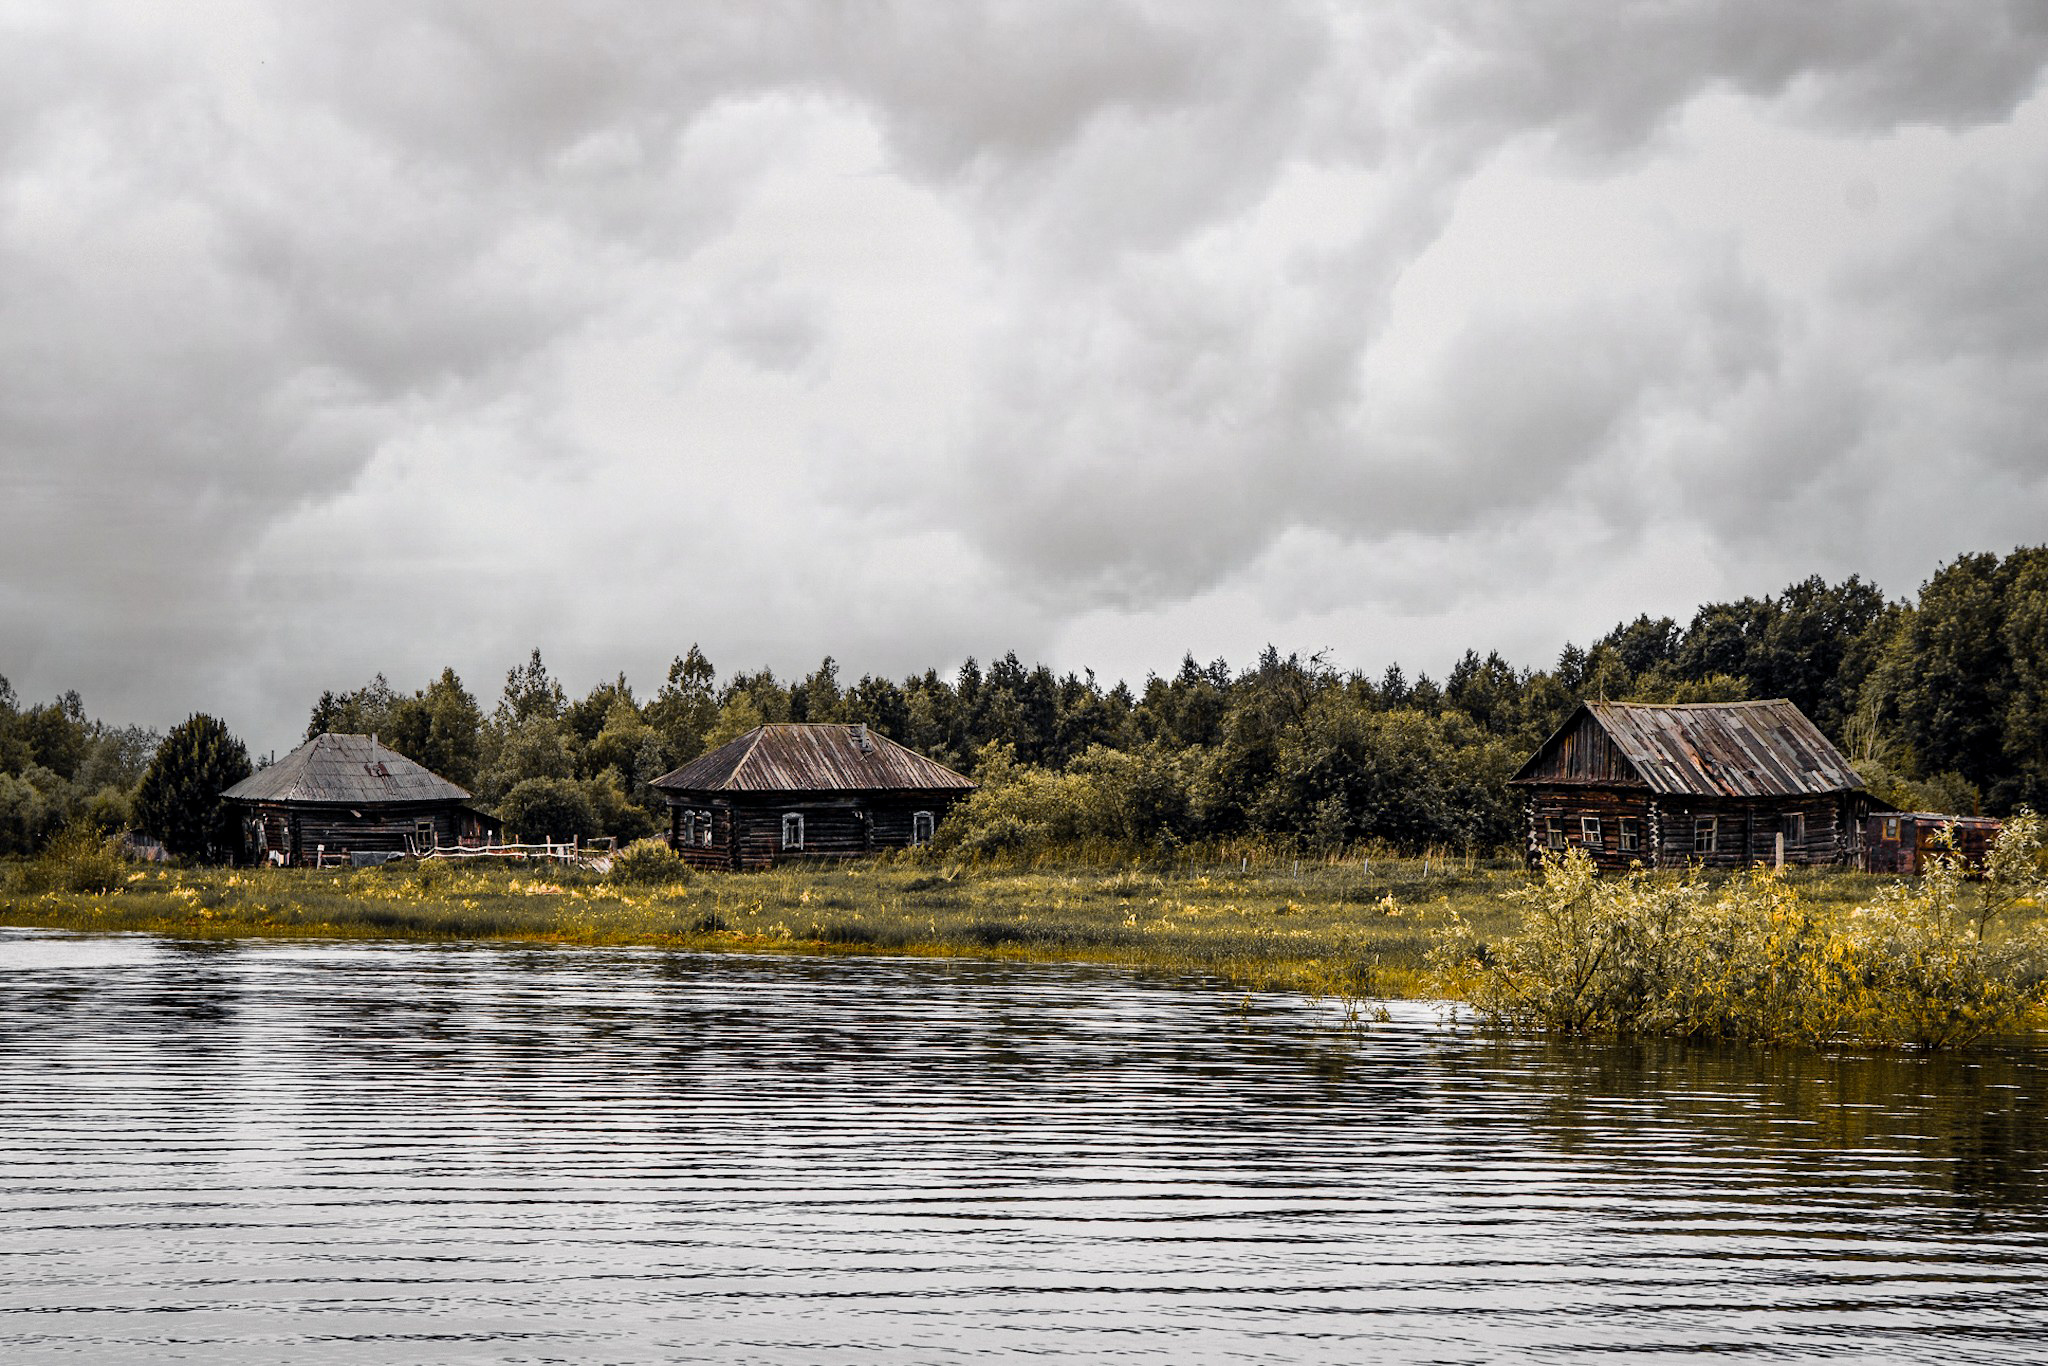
{"x":401,"y":1153}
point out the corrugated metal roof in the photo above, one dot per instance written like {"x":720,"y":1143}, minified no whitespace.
{"x":811,"y":757}
{"x":345,"y":770}
{"x":1719,"y":749}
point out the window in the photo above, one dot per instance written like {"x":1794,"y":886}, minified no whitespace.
{"x":792,"y":830}
{"x":920,"y":827}
{"x":1795,"y":827}
{"x":1891,"y":827}
{"x":1589,"y":830}
{"x":704,"y":828}
{"x":689,"y":827}
{"x":1705,"y":830}
{"x":1627,"y":830}
{"x":1553,"y":832}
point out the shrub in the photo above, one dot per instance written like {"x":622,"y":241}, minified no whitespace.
{"x":79,"y":859}
{"x":25,"y":814}
{"x":550,"y":809}
{"x":1934,"y":963}
{"x":647,"y":861}
{"x":616,"y":814}
{"x":1017,"y":809}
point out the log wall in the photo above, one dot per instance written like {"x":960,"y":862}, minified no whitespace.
{"x":303,"y":832}
{"x":747,"y":834}
{"x":1745,"y":832}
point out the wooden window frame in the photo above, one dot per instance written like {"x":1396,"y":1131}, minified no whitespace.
{"x":922,"y":824}
{"x":1793,"y":824}
{"x":689,"y":830}
{"x":793,"y":820}
{"x":1553,"y":832}
{"x":1589,"y":831}
{"x":705,"y":826}
{"x":1706,"y":834}
{"x":1891,"y":829}
{"x":1627,"y":836}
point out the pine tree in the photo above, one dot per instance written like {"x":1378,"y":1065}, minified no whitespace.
{"x":179,"y":797}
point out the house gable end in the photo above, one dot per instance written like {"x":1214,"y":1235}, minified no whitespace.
{"x":1581,"y":752}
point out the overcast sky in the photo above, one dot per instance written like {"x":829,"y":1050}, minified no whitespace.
{"x":347,"y":337}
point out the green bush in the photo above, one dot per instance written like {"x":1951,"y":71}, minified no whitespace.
{"x":550,"y":809}
{"x":1937,"y":963}
{"x":1017,"y":809}
{"x":79,"y":859}
{"x":647,"y":861}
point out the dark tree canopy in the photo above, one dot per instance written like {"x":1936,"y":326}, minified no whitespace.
{"x":179,"y":798}
{"x":1940,"y":702}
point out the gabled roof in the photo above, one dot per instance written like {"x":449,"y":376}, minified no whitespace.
{"x":1710,"y":749}
{"x":812,"y":757}
{"x":351,"y":770}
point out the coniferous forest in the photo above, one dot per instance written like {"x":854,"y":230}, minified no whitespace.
{"x":1941,"y":702}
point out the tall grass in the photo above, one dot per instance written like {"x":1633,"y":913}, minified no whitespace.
{"x":1813,"y":955}
{"x":1339,"y":928}
{"x":1939,"y":962}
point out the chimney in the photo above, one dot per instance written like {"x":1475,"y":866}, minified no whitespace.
{"x":859,"y":731}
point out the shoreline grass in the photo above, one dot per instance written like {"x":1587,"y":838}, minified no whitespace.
{"x":1348,"y":928}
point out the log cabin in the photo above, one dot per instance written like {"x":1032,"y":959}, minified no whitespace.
{"x":343,"y":797}
{"x":1718,"y":784}
{"x":800,"y":791}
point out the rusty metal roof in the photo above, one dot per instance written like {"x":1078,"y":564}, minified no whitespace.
{"x":344,"y":770}
{"x":1718,"y":749}
{"x":811,"y":757}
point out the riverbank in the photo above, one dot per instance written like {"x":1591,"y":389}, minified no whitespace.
{"x":1353,"y":928}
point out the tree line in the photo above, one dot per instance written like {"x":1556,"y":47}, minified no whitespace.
{"x":1941,"y":702}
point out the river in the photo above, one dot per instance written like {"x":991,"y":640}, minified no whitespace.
{"x":258,"y":1152}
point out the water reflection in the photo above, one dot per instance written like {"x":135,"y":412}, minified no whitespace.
{"x":405,"y":1153}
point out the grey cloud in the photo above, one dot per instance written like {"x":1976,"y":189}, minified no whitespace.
{"x":1973,"y":282}
{"x":260,"y":268}
{"x":1605,"y":78}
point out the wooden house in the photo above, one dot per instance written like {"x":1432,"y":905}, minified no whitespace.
{"x":805,"y":791}
{"x":1904,"y":841}
{"x":1721,"y":784}
{"x":339,"y":798}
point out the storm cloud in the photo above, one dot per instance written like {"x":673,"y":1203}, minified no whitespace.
{"x":338,"y":338}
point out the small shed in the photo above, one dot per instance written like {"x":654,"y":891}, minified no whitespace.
{"x":1721,"y":784}
{"x":1904,"y":841}
{"x":339,"y":796}
{"x":795,"y":791}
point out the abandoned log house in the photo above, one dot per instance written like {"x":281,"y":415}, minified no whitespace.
{"x":339,"y":798}
{"x":1721,"y":784}
{"x":805,"y":791}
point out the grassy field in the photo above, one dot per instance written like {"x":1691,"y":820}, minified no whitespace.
{"x":1351,"y":927}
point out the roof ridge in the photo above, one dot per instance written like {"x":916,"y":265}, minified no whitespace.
{"x":1697,"y":706}
{"x":753,"y":739}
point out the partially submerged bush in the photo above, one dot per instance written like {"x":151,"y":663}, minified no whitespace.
{"x":647,"y":861}
{"x":1939,"y":962}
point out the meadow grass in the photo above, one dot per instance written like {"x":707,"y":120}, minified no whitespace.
{"x":1352,"y":927}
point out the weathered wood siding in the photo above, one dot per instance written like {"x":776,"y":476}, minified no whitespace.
{"x":1584,"y":754}
{"x":747,"y":835}
{"x":1915,"y":838}
{"x":305,"y":832}
{"x":1570,"y":806}
{"x":1745,"y":831}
